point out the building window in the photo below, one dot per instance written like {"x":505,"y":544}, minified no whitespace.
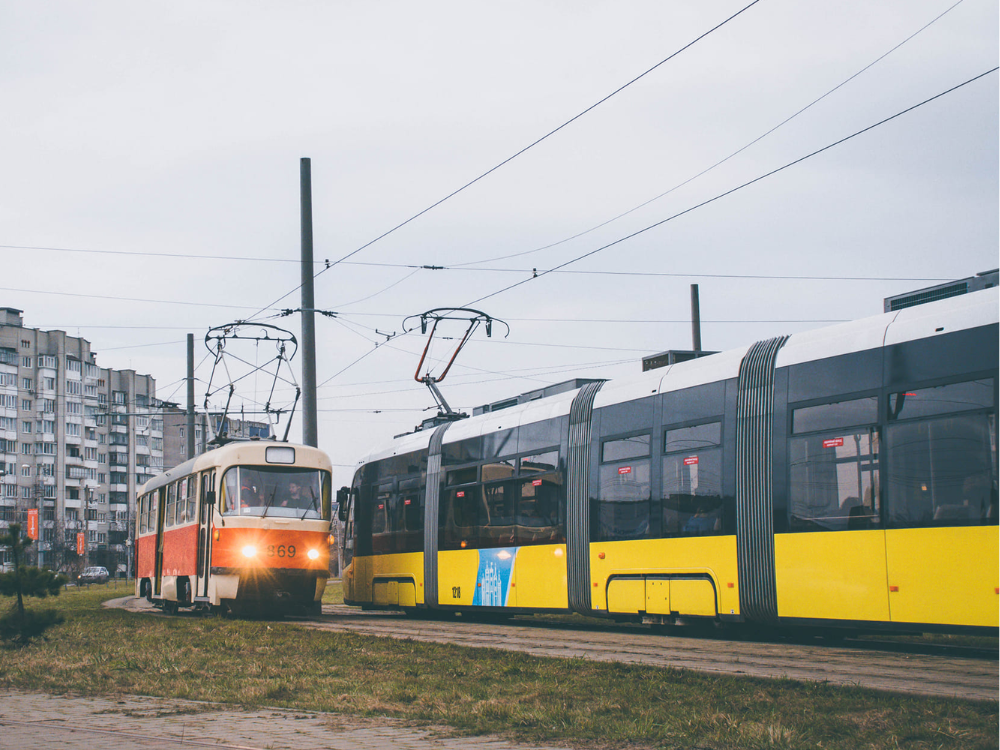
{"x":26,"y":384}
{"x":73,"y":365}
{"x":26,"y":362}
{"x":73,"y":387}
{"x":26,"y":427}
{"x":25,"y":404}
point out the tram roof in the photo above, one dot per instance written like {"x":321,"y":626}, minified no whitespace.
{"x":246,"y":452}
{"x":963,"y":312}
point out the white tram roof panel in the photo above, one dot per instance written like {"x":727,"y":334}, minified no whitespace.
{"x":909,"y":324}
{"x":959,"y":313}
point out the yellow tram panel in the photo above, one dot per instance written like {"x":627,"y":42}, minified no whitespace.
{"x":628,"y":577}
{"x":944,"y":576}
{"x":457,"y":574}
{"x":540,"y":577}
{"x":836,"y":575}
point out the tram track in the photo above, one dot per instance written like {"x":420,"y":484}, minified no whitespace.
{"x":859,"y":663}
{"x":939,"y":671}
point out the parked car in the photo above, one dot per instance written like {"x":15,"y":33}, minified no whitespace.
{"x":94,"y":574}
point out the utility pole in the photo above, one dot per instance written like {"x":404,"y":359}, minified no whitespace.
{"x":86,"y":524}
{"x":695,"y":319}
{"x":310,"y":434}
{"x":190,"y":396}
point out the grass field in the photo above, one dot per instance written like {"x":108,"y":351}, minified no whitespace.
{"x":474,"y":691}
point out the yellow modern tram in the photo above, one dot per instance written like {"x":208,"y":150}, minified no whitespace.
{"x":840,"y":478}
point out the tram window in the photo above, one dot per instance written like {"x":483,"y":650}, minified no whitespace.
{"x":181,"y":513}
{"x":412,"y":498}
{"x":380,"y":509}
{"x":548,"y":461}
{"x":539,"y":436}
{"x":834,"y":481}
{"x":693,"y":438}
{"x":462,"y":476}
{"x":252,"y":494}
{"x":623,"y":506}
{"x":462,"y":452}
{"x":154,"y":510}
{"x":630,"y":447}
{"x":692,"y":503}
{"x":171,"y":505}
{"x":192,"y":498}
{"x":500,"y":443}
{"x":835,"y":416}
{"x":498,"y":517}
{"x":945,"y":399}
{"x":229,"y":503}
{"x":541,"y":511}
{"x":462,"y":514}
{"x":942,"y":472}
{"x":143,"y":514}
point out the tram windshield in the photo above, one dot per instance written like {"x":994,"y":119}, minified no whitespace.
{"x":276,"y":492}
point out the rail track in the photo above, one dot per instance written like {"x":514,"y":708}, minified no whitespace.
{"x":935,"y":670}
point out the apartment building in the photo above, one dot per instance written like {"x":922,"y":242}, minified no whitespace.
{"x":76,"y":441}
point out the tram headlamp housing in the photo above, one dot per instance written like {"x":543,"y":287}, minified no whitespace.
{"x":313,"y":554}
{"x":249,"y":551}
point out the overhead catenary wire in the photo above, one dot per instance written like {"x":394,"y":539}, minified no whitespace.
{"x":725,"y":159}
{"x":735,"y":189}
{"x":520,"y":152}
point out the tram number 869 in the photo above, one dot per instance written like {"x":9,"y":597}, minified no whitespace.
{"x":281,"y":550}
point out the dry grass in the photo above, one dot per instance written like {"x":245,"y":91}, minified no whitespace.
{"x":475,"y":691}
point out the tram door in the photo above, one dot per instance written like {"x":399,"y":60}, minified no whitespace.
{"x":205,"y":513}
{"x":161,"y":509}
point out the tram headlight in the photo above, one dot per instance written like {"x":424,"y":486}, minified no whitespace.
{"x":313,"y":554}
{"x":249,"y":551}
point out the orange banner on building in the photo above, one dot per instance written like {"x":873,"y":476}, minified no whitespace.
{"x":80,"y":542}
{"x":33,"y":524}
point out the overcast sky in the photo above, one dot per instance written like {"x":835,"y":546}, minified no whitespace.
{"x":135,"y":129}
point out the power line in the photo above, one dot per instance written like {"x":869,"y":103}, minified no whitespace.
{"x":735,"y":189}
{"x":125,"y":299}
{"x":721,"y":161}
{"x":523,"y":150}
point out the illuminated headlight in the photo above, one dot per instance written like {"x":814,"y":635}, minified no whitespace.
{"x":249,"y":551}
{"x":313,"y":554}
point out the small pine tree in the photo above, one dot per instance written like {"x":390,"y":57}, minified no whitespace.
{"x":24,"y":581}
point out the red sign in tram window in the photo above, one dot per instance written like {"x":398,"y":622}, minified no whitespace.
{"x":536,"y":482}
{"x":80,"y":543}
{"x":691,"y":461}
{"x":833,"y":443}
{"x":33,"y":524}
{"x":624,"y":469}
{"x":460,"y":493}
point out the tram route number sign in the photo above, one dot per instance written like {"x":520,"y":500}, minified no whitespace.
{"x":281,"y":550}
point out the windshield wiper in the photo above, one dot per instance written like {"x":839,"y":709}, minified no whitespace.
{"x":313,"y":494}
{"x":267,"y":505}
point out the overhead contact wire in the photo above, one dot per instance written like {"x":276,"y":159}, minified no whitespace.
{"x":540,"y":274}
